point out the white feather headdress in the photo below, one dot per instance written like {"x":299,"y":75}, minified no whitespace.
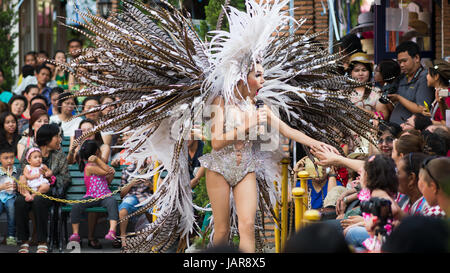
{"x":232,"y":53}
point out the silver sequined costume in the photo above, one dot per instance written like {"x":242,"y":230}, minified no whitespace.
{"x":225,"y":162}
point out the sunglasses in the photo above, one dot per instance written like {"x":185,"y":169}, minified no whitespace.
{"x":425,"y":167}
{"x":388,"y":140}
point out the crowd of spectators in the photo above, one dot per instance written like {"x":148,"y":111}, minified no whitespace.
{"x":35,"y":116}
{"x":408,"y":165}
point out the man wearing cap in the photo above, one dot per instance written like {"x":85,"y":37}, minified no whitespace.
{"x":413,"y":90}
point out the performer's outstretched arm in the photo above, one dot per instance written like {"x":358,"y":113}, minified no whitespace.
{"x":294,"y":134}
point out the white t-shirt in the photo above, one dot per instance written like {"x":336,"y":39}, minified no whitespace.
{"x":67,"y":127}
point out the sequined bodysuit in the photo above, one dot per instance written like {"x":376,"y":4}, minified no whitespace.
{"x":233,"y":161}
{"x":226,"y":162}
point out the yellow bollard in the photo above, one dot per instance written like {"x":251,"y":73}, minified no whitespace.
{"x":299,"y":194}
{"x":311,"y":216}
{"x":304,"y":175}
{"x":284,"y":200}
{"x":155,"y":187}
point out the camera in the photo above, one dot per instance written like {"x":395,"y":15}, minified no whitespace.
{"x":381,"y":208}
{"x":387,"y":89}
{"x":443,"y":93}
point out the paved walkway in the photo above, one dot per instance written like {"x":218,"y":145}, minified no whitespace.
{"x":107,"y":248}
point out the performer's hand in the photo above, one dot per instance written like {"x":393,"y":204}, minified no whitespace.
{"x":326,"y":155}
{"x":323,"y":146}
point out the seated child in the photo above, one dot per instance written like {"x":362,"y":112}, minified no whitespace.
{"x":97,"y":177}
{"x":34,"y":173}
{"x":7,"y":191}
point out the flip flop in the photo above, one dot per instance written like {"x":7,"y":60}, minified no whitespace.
{"x":24,"y":248}
{"x":42,"y":249}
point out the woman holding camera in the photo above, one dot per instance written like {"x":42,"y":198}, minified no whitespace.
{"x":438,"y":77}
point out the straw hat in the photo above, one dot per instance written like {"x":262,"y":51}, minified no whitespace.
{"x":361,"y":57}
{"x":309,"y":167}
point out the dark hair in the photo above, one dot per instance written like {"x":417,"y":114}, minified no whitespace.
{"x":28,"y":88}
{"x":55,"y":90}
{"x":413,"y":162}
{"x":59,"y":51}
{"x":88,"y":148}
{"x":421,"y":122}
{"x":7,"y":149}
{"x":34,"y":117}
{"x":418,"y":234}
{"x":97,"y":99}
{"x":62,"y":98}
{"x":389,"y":70}
{"x":98,"y":136}
{"x":15,"y":136}
{"x":3,"y":72}
{"x":27,"y":70}
{"x":18,"y":97}
{"x":30,"y":53}
{"x":75,"y":40}
{"x":445,"y":135}
{"x":435,"y":144}
{"x":39,"y":96}
{"x":43,"y":66}
{"x":317,"y":238}
{"x":351,"y":43}
{"x":45,"y":134}
{"x":43,"y":52}
{"x":409,"y":46}
{"x":381,"y":174}
{"x":393,"y":128}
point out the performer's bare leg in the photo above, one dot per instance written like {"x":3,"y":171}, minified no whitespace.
{"x":219,"y":196}
{"x":245,"y":196}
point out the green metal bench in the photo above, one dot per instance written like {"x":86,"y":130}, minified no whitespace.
{"x":76,"y":191}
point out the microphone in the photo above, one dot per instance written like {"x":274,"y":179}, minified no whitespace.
{"x":260,"y":128}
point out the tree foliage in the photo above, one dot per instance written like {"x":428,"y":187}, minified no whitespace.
{"x":212,"y":12}
{"x":8,"y":18}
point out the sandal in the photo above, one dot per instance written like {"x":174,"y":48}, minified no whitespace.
{"x":42,"y":249}
{"x":95,"y":244}
{"x":24,"y":248}
{"x":111,"y":235}
{"x":75,"y":237}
